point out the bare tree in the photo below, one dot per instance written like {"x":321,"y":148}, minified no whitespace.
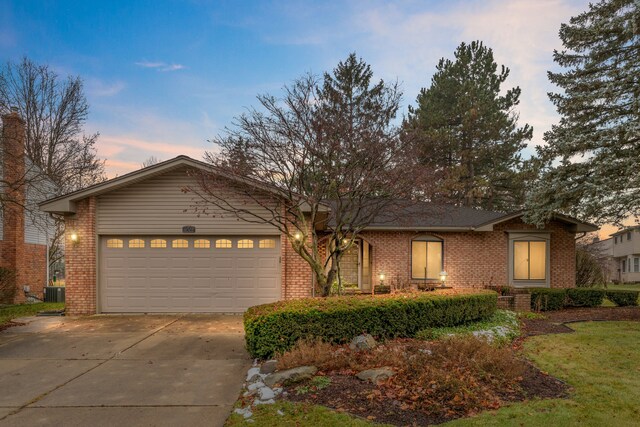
{"x":152,"y":160}
{"x":326,"y":153}
{"x":55,"y":111}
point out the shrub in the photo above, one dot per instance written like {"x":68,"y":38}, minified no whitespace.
{"x":623,"y":298}
{"x":584,"y":297}
{"x":589,"y":271}
{"x":275,"y":328}
{"x":382,"y":289}
{"x":547,"y":299}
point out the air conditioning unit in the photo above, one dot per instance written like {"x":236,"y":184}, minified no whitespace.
{"x":54,"y":294}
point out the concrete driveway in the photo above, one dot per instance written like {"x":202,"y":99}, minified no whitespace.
{"x":122,"y":370}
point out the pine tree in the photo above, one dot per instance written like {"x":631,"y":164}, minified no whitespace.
{"x":591,"y":165}
{"x":467,"y":131}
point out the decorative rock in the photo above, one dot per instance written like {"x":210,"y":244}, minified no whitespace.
{"x":268,"y":367}
{"x":251,"y":373}
{"x":376,"y":375}
{"x":255,"y":386}
{"x":363,"y":342}
{"x":290,"y":375}
{"x":266,"y":393}
{"x":279,"y":412}
{"x":263,"y":402}
{"x":245,"y":412}
{"x":277,"y":390}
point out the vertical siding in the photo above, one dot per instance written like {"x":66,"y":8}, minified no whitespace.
{"x":158,"y":205}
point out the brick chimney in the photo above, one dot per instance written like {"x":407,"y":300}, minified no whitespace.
{"x":12,"y":254}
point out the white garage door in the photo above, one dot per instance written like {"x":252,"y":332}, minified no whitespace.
{"x":187,"y":274}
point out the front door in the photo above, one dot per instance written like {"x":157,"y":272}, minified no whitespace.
{"x":350,"y":267}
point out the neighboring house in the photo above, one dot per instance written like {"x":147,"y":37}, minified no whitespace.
{"x":24,"y":229}
{"x":133,"y":245}
{"x":626,"y":253}
{"x":603,"y":251}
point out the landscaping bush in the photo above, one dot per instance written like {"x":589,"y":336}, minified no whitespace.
{"x":584,"y":297}
{"x":501,"y":328}
{"x":623,"y":298}
{"x":547,"y":299}
{"x":275,"y":328}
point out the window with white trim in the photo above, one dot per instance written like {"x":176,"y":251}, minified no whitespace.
{"x":529,"y":260}
{"x":426,"y":257}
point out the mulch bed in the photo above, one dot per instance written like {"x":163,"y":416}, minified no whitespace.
{"x":347,"y":393}
{"x":10,"y":324}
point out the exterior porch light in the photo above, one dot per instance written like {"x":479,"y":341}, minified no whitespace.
{"x":74,"y":237}
{"x":298,"y":236}
{"x":381,"y":278}
{"x":443,"y":277}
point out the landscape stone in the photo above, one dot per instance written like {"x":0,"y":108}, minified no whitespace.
{"x":268,"y":367}
{"x":376,"y":375}
{"x":266,"y":393}
{"x":363,"y":342}
{"x":255,"y":386}
{"x":251,"y":373}
{"x":290,"y":375}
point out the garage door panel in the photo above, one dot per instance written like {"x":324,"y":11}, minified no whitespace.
{"x":188,"y":279}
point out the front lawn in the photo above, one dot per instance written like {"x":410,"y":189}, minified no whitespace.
{"x":600,"y":361}
{"x":21,"y":310}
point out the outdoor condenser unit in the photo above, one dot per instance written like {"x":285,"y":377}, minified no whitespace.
{"x":54,"y":294}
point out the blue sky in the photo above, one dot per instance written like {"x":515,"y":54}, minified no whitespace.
{"x":162,"y":76}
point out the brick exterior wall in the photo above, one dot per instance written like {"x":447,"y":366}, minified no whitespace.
{"x":471,"y":259}
{"x":80,"y":259}
{"x":29,"y":261}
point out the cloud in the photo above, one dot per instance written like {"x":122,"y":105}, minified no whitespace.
{"x":405,"y":41}
{"x":97,"y":87}
{"x":160,"y":66}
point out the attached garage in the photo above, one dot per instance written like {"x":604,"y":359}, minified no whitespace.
{"x":174,"y":274}
{"x":140,"y":245}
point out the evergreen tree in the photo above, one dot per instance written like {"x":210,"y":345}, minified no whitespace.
{"x":467,"y":132}
{"x":592,"y":160}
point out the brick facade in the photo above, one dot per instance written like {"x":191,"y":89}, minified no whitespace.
{"x":28,"y":261}
{"x":80,"y":259}
{"x":471,"y":259}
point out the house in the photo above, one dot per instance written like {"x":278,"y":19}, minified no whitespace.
{"x":626,"y":253}
{"x":133,"y":245}
{"x":24,"y":229}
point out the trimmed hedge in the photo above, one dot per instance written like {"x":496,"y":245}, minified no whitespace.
{"x":623,"y":298}
{"x":584,"y":297}
{"x":275,"y":328}
{"x":547,"y":299}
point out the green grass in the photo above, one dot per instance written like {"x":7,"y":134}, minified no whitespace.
{"x":21,"y":310}
{"x":600,"y":361}
{"x":501,"y":321}
{"x":296,"y":414}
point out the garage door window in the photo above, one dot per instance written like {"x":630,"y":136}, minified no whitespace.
{"x":158,"y":243}
{"x":136,"y":243}
{"x":223,"y":244}
{"x":267,"y":244}
{"x":180,"y":244}
{"x":202,"y":244}
{"x":115,"y":243}
{"x":245,"y":244}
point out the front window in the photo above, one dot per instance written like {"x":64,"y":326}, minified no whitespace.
{"x":426,"y":258}
{"x":529,"y":260}
{"x":624,"y":264}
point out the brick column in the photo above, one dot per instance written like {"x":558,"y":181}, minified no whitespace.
{"x":13,"y":166}
{"x":80,"y":259}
